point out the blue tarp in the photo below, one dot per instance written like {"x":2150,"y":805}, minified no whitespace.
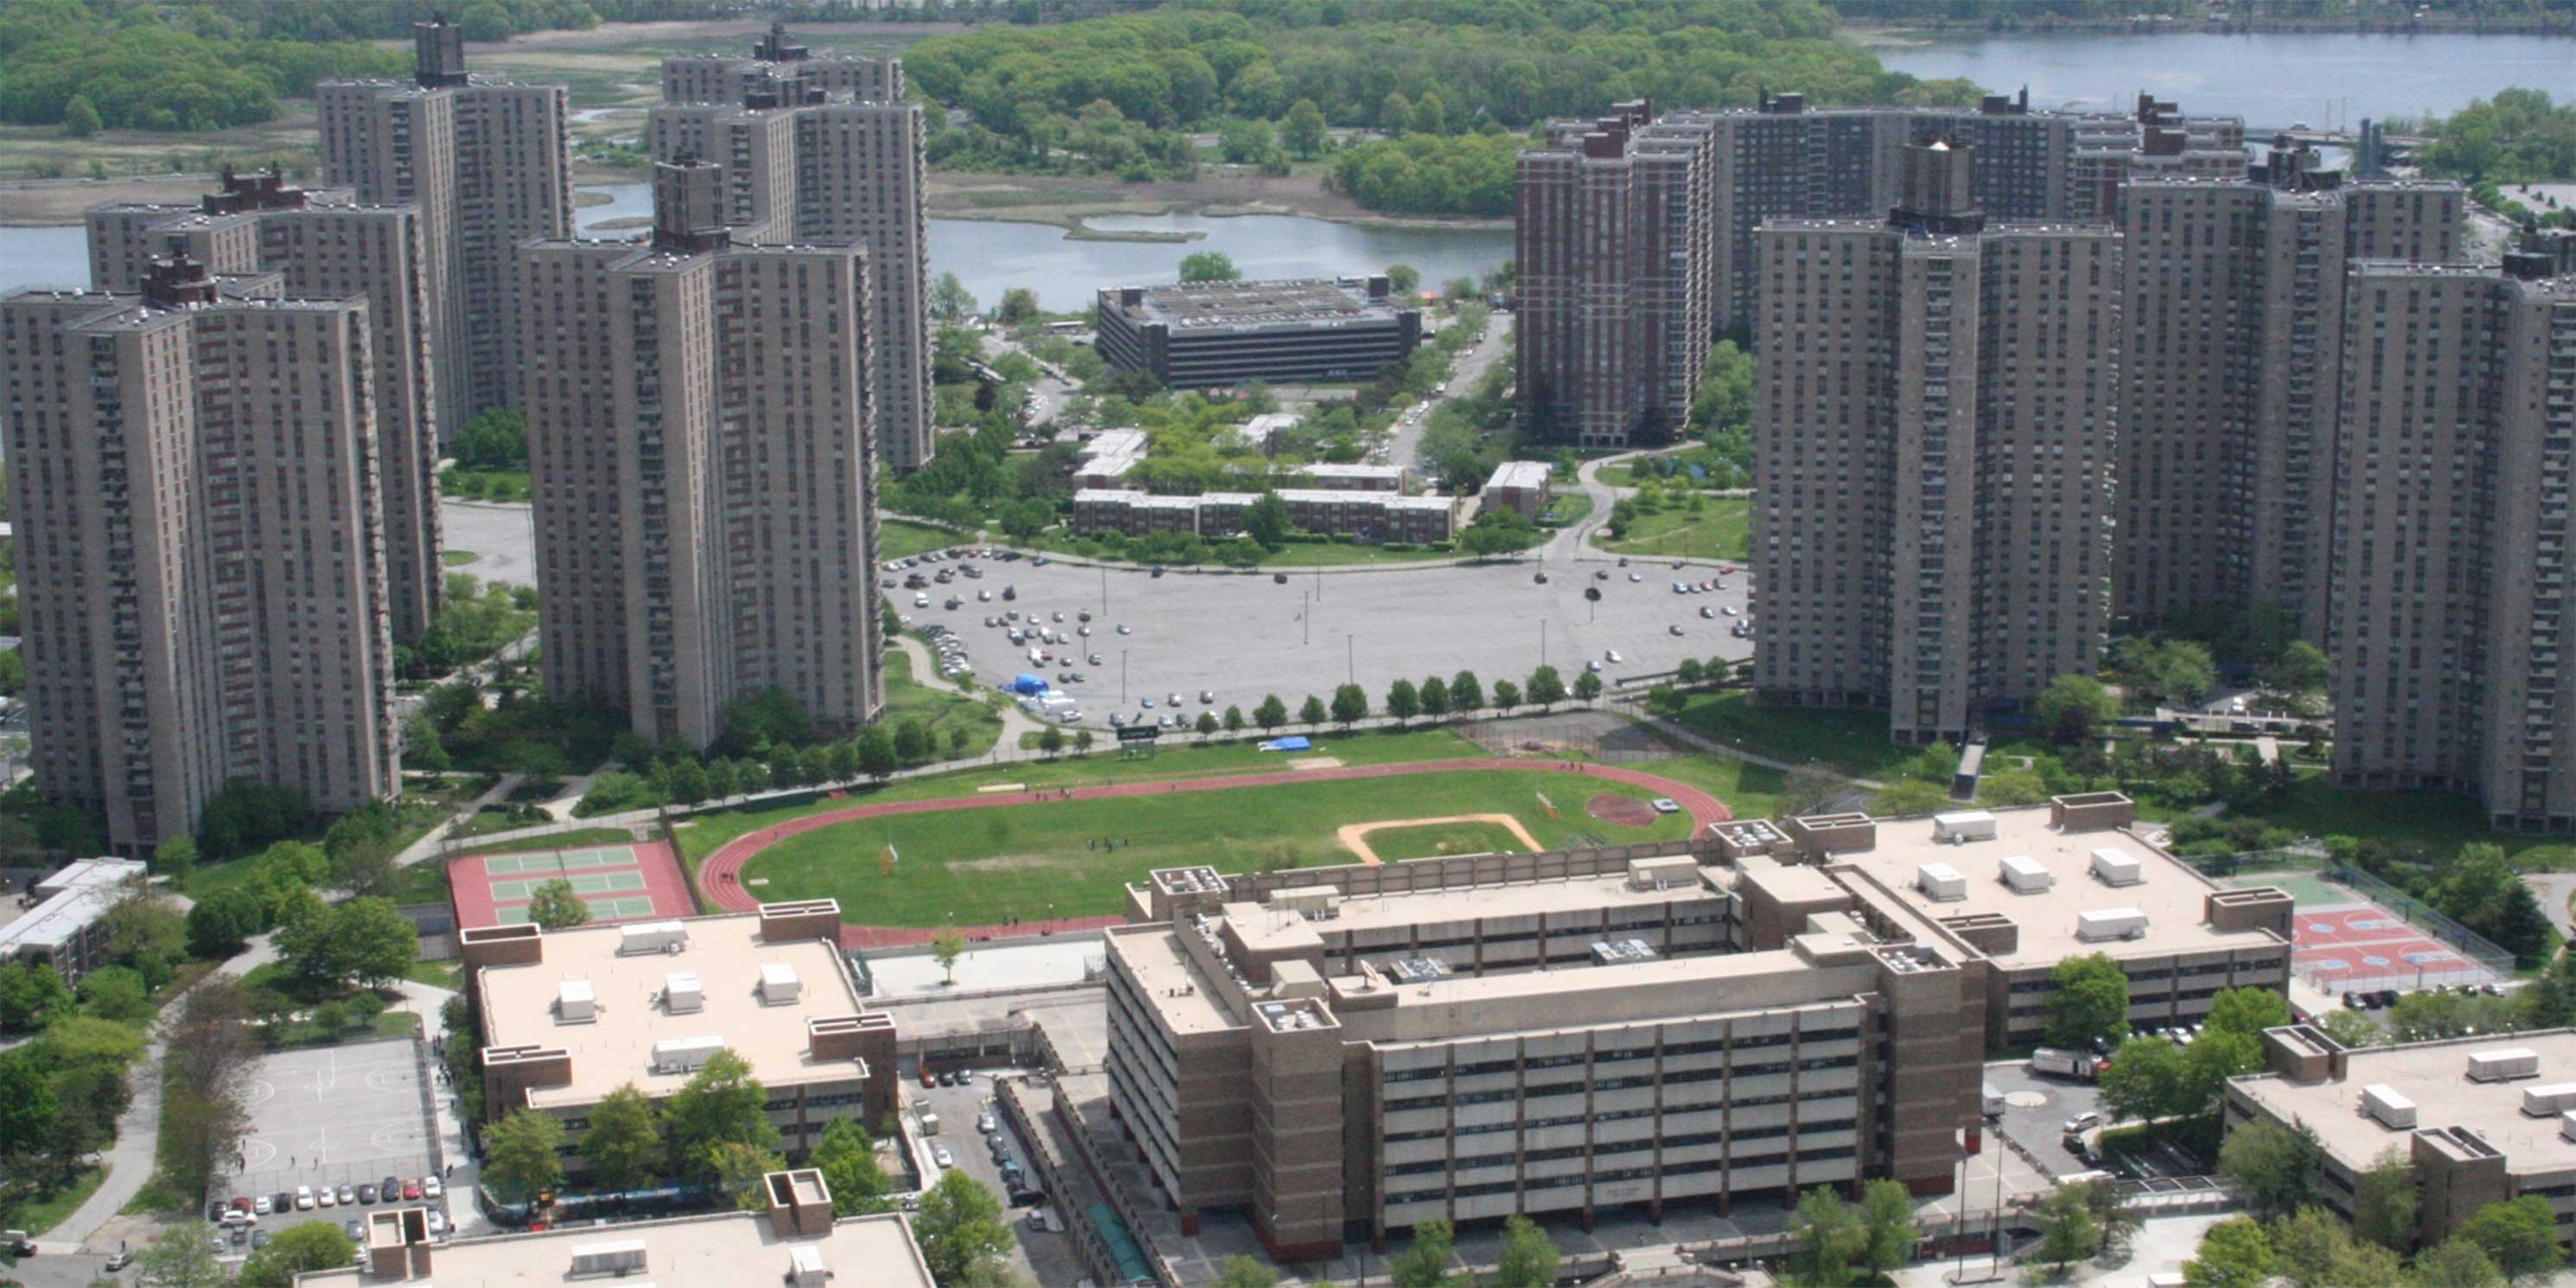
{"x":1025,"y":683}
{"x":1294,"y":742}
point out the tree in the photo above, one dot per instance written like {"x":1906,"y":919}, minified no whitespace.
{"x":950,"y":301}
{"x":80,"y":119}
{"x":1466,"y":696}
{"x":1233,"y":718}
{"x":1433,"y":697}
{"x":30,"y":1106}
{"x":180,"y":1258}
{"x":946,"y":947}
{"x":1587,"y":687}
{"x":521,"y":1154}
{"x":223,"y":922}
{"x":1206,"y":725}
{"x":1426,"y":1263}
{"x":1507,"y":695}
{"x":2089,"y":999}
{"x":2235,"y":1253}
{"x":1665,"y":700}
{"x":1272,"y":712}
{"x":116,"y":993}
{"x":1529,"y":1258}
{"x":1019,"y":304}
{"x":172,"y":857}
{"x":2248,"y":1011}
{"x":2074,"y":708}
{"x":2142,"y":1078}
{"x":554,"y":906}
{"x":2457,"y":1263}
{"x":1311,"y":712}
{"x":739,"y":1167}
{"x":2177,"y":670}
{"x":372,"y":941}
{"x":722,"y":1104}
{"x":624,"y":1143}
{"x":2068,"y":1230}
{"x":1909,"y":796}
{"x":1546,"y":687}
{"x":2519,"y":1236}
{"x":2352,"y":1029}
{"x":1427,"y":116}
{"x":847,"y":1158}
{"x":1243,"y":1272}
{"x":1051,"y":740}
{"x":876,"y":754}
{"x":1208,"y":266}
{"x":1403,"y":279}
{"x":1829,"y":1239}
{"x":2386,"y":1202}
{"x":959,"y":1226}
{"x":1887,"y":1220}
{"x":1266,"y":520}
{"x":1392,"y":112}
{"x":1350,"y":704}
{"x":2274,"y":1165}
{"x":2301,"y":668}
{"x":313,"y":1245}
{"x":1808,"y":788}
{"x":1303,"y":134}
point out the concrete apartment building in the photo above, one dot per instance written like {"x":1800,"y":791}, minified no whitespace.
{"x":568,"y":1016}
{"x":2484,"y":1120}
{"x":704,"y":470}
{"x":793,"y":1239}
{"x":1205,"y":335}
{"x":2451,"y":535}
{"x":1346,"y":1052}
{"x":2232,"y":377}
{"x":327,"y":247}
{"x":1935,"y":416}
{"x":1369,"y":516}
{"x":1523,"y":487}
{"x":201,"y":556}
{"x":823,"y":149}
{"x":488,"y":164}
{"x":61,"y":921}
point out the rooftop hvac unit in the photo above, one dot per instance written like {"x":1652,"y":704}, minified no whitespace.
{"x":682,"y":993}
{"x":2503,"y":1064}
{"x":1417,"y":970}
{"x":2110,"y":923}
{"x":652,"y":937}
{"x":2382,"y":1102}
{"x":1621,"y":952}
{"x":1940,"y":882}
{"x":778,"y":983}
{"x":685,"y":1055}
{"x":805,"y":1266}
{"x":624,"y":1257}
{"x":1960,"y":826}
{"x":2117,"y":867}
{"x":1658,"y":873}
{"x":2027,"y":875}
{"x":2567,"y":1124}
{"x":574,"y":1002}
{"x":2543,"y":1102}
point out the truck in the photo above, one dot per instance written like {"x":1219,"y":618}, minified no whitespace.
{"x":2064,"y":1064}
{"x":929,"y":1123}
{"x":1994,"y":1101}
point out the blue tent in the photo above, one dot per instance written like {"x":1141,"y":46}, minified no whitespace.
{"x":1027,"y":684}
{"x":1294,"y":742}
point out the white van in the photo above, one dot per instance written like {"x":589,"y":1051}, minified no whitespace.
{"x":929,"y":1124}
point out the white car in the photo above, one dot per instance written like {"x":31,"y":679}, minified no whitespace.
{"x":430,"y":1188}
{"x":939,"y":1154}
{"x":324,"y":1197}
{"x":303,"y":1198}
{"x":1612,"y":656}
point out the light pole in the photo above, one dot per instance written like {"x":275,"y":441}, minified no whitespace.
{"x":1104,"y":590}
{"x":1306,"y":618}
{"x":1351,"y":660}
{"x":1122,"y":677}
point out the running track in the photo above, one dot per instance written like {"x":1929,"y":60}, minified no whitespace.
{"x":720,"y":877}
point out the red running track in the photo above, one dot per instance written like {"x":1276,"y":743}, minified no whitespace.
{"x":720,"y":877}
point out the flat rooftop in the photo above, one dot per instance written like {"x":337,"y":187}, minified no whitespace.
{"x":75,"y":897}
{"x":1261,"y":927}
{"x":1213,"y":305}
{"x":727,"y":955}
{"x":724,"y":1248}
{"x":2169,"y":892}
{"x":1521,"y":474}
{"x":1162,"y":969}
{"x":2435,"y":1076}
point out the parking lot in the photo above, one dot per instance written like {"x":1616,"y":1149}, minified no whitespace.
{"x":1041,"y":1256}
{"x":330,"y":1116}
{"x":1243,"y":635}
{"x":2036,"y":1109}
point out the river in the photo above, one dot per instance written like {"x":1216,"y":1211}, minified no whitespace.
{"x":2273,"y":81}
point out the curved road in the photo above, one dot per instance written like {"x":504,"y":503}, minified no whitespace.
{"x":720,"y":876}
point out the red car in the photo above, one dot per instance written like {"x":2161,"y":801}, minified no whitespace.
{"x":411,"y":1188}
{"x":241,"y":1203}
{"x":928,"y":1079}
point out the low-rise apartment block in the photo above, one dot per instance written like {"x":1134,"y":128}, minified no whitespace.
{"x":1202,"y":335}
{"x":62,"y":920}
{"x":1523,"y":487}
{"x":568,"y":1016}
{"x":1369,"y":516}
{"x":2483,"y":1120}
{"x":794,"y":1239}
{"x":1345,"y":1052}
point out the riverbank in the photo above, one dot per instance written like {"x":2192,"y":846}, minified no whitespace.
{"x":1933,"y":31}
{"x":1066,"y":201}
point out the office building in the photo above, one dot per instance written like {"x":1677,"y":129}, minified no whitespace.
{"x":327,"y":247}
{"x":568,"y":1016}
{"x":2451,"y":535}
{"x":2483,"y":1120}
{"x":792,"y":1239}
{"x":202,"y":571}
{"x":1206,"y":335}
{"x":823,"y":149}
{"x":63,"y":923}
{"x":775,"y":63}
{"x":1345,"y":1052}
{"x":489,"y":165}
{"x":2232,"y":377}
{"x":1613,"y":241}
{"x":1936,"y":411}
{"x":698,"y":420}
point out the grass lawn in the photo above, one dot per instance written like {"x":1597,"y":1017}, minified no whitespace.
{"x":485,"y":485}
{"x":1433,"y":839}
{"x":939,"y":709}
{"x":1032,"y":861}
{"x":1723,"y":529}
{"x":1568,"y":509}
{"x":419,"y":812}
{"x":1851,"y":740}
{"x":457,"y":558}
{"x":899,"y":539}
{"x":424,"y":882}
{"x":446,"y":975}
{"x":48,"y":1205}
{"x":572,"y":840}
{"x":2439,"y":821}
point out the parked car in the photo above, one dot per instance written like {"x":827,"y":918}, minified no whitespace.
{"x":430,"y":1188}
{"x":939,"y":1154}
{"x":303,"y":1198}
{"x":367,"y":1193}
{"x":389,"y":1189}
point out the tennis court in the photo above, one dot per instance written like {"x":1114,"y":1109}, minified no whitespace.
{"x":2345,"y":939}
{"x":618,"y":882}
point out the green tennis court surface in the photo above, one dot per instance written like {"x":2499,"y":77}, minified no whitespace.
{"x":584,"y":884}
{"x":2306,"y":889}
{"x":558,"y":862}
{"x":600,"y":910}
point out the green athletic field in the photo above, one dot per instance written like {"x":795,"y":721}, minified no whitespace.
{"x":1433,"y":839}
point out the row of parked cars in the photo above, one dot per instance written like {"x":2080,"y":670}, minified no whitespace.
{"x":244,"y":1209}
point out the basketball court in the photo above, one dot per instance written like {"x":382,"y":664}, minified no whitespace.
{"x":619,"y":882}
{"x":2355,"y":944}
{"x":331,"y":1116}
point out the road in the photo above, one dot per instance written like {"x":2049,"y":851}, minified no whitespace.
{"x":1050,"y":389}
{"x":1464,"y":372}
{"x":1038,"y":1256}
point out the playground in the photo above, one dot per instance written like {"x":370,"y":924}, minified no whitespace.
{"x":1060,"y":857}
{"x":618,"y":882}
